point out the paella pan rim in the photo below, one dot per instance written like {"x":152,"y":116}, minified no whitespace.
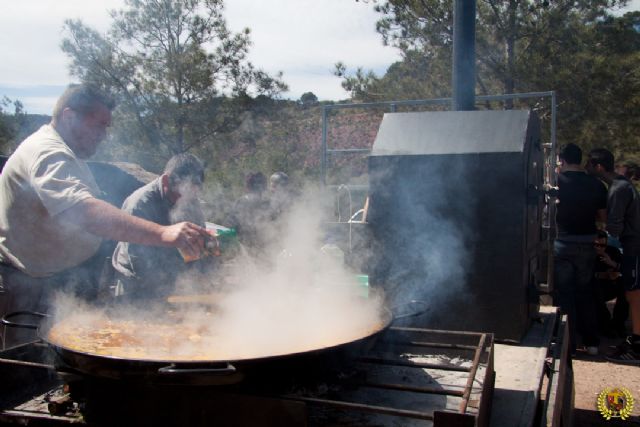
{"x":386,"y":320}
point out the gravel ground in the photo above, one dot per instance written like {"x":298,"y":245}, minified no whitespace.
{"x":592,"y":374}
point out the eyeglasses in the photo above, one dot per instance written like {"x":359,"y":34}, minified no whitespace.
{"x":600,"y":245}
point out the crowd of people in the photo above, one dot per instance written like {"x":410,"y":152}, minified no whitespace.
{"x":57,"y":234}
{"x":596,"y":252}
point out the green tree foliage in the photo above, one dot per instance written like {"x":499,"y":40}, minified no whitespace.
{"x":422,"y":31}
{"x":308,"y":98}
{"x":181,"y":76}
{"x":506,"y":30}
{"x":10,"y":124}
{"x":578,"y":49}
{"x":274,"y":135}
{"x":599,"y":87}
{"x":594,"y":68}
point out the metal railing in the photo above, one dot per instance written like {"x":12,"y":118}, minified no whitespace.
{"x":474,"y":368}
{"x":393,"y":107}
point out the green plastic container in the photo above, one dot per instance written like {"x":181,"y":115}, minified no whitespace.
{"x":227,"y":240}
{"x":363,"y":285}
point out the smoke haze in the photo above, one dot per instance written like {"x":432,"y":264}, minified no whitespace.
{"x":295,"y":298}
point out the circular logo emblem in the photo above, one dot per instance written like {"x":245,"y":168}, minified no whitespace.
{"x":615,"y":403}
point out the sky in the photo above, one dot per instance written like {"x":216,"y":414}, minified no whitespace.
{"x":301,"y":38}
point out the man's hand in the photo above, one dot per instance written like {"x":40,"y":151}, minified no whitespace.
{"x":608,"y":275}
{"x":186,"y":236}
{"x":607,"y":260}
{"x":550,"y":190}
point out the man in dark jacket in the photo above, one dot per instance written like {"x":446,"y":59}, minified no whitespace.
{"x":623,"y":222}
{"x":582,"y":202}
{"x":146,"y":271}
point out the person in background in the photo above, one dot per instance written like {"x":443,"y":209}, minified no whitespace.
{"x":623,"y":223}
{"x":582,"y":203}
{"x":278,"y":181}
{"x":144,"y":271}
{"x":628,"y":169}
{"x":279,"y":194}
{"x":631,"y":171}
{"x":608,"y":286}
{"x":250,"y":213}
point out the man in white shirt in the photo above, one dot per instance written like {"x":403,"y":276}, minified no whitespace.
{"x":51,"y":219}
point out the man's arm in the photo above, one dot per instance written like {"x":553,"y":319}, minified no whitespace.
{"x":104,"y":220}
{"x":618,"y":203}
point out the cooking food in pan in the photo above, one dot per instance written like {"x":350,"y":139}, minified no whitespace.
{"x":181,"y":342}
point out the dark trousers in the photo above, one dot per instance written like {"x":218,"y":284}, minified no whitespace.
{"x":573,"y":289}
{"x":606,"y":290}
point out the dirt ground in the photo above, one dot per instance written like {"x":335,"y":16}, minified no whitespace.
{"x":592,"y":374}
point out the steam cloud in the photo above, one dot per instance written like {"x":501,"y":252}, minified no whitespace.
{"x":294,"y":298}
{"x":423,"y":221}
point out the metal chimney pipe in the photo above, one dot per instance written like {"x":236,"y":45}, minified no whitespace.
{"x":464,"y":55}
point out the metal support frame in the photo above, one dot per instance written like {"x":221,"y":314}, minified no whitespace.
{"x":463,"y":76}
{"x":482,"y":350}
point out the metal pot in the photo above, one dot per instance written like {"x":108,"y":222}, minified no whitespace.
{"x":211,"y":372}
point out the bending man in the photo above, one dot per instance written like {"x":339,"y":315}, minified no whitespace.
{"x":150,"y":271}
